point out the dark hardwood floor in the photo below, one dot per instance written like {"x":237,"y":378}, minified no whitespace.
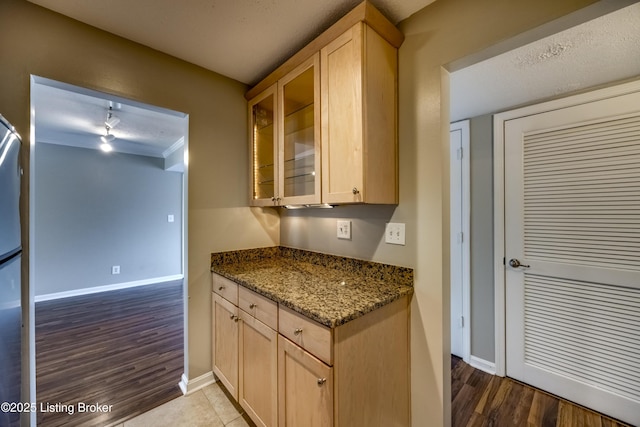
{"x":480,"y":399}
{"x":122,"y":348}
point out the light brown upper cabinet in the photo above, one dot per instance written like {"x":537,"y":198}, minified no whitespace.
{"x":264,"y":148}
{"x":359,"y":121}
{"x":336,"y":118}
{"x":299,"y":134}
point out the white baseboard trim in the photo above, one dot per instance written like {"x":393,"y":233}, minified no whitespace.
{"x":116,"y":286}
{"x":483,"y":365}
{"x":189,"y":386}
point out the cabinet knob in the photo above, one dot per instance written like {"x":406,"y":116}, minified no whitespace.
{"x":273,"y":199}
{"x":321,"y":381}
{"x":221,"y":288}
{"x":253,"y":305}
{"x":236,"y":318}
{"x":355,"y":190}
{"x":232,"y":316}
{"x":298,"y":331}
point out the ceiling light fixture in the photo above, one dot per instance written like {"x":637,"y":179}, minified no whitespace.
{"x":106,"y":147}
{"x":106,"y":139}
{"x":109,"y":124}
{"x":112,"y":121}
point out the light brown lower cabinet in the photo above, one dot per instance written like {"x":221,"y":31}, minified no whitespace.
{"x":258,"y":371}
{"x":305,"y":387}
{"x":354,"y":375}
{"x":305,"y":374}
{"x":225,"y":343}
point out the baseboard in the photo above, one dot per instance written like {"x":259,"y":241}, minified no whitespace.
{"x":483,"y":365}
{"x":114,"y":287}
{"x":189,"y":386}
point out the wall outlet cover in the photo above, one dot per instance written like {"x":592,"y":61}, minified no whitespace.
{"x":344,"y":229}
{"x":115,"y":269}
{"x":394,"y":233}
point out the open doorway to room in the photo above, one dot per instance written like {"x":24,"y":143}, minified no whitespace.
{"x":588,"y":52}
{"x":107,"y":250}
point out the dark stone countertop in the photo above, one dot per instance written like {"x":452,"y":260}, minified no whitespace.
{"x":329,"y":289}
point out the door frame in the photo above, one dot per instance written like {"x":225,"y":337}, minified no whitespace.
{"x":29,"y":389}
{"x":616,"y":89}
{"x":465,"y":170}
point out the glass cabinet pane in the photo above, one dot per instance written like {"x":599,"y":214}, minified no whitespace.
{"x":263,"y":149}
{"x":299,"y":137}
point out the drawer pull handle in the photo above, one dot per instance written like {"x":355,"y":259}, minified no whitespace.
{"x":321,"y":381}
{"x":253,"y":305}
{"x":221,"y":288}
{"x":298,"y":331}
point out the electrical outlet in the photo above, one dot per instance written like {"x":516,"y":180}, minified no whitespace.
{"x":394,"y":233}
{"x":115,"y":269}
{"x":344,"y":229}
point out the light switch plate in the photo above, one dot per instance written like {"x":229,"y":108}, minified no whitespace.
{"x":344,"y":229}
{"x":394,"y":233}
{"x":115,"y":269}
{"x":170,"y":218}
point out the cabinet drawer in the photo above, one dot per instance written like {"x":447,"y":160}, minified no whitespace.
{"x":260,"y":307}
{"x":310,"y":335}
{"x":225,"y":288}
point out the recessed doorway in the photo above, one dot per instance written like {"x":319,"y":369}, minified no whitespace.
{"x":107,"y":238}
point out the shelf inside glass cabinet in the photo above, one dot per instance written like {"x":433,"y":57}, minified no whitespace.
{"x":263,"y":149}
{"x":299,"y":152}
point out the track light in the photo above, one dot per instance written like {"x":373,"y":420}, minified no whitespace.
{"x":106,"y":139}
{"x":109,"y":124}
{"x":112,"y":120}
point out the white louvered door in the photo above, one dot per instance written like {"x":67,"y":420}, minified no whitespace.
{"x":572,"y":219}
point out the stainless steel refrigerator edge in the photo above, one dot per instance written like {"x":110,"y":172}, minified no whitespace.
{"x":10,"y":259}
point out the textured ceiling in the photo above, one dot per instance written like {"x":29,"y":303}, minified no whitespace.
{"x":246,"y":39}
{"x":68,"y":115}
{"x":241,"y":39}
{"x":594,"y":53}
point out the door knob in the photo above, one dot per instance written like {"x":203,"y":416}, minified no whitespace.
{"x":516,"y":263}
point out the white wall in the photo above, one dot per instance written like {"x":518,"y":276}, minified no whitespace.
{"x":94,"y":210}
{"x":481,"y":277}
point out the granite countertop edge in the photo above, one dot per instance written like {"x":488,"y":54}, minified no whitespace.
{"x":400,"y":279}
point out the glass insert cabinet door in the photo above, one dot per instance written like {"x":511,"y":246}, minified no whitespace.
{"x":299,"y":134}
{"x":264,"y":143}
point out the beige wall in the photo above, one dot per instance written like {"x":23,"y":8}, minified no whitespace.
{"x":37,"y":41}
{"x":446,"y":31}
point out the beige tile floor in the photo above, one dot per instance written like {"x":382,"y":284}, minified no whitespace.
{"x":208,"y":407}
